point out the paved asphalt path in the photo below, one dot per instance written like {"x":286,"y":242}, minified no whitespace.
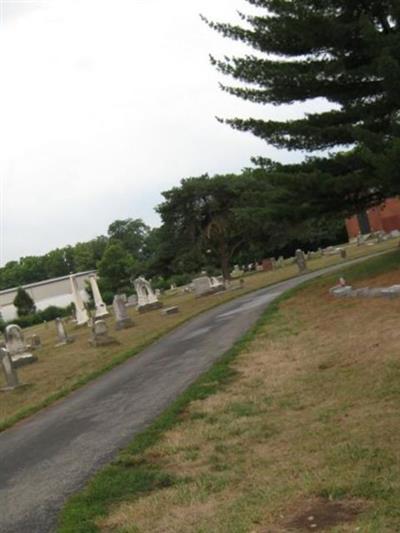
{"x":49,"y":456}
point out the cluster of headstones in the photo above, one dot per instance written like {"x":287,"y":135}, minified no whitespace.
{"x":343,"y":290}
{"x":377,"y":237}
{"x":16,"y":352}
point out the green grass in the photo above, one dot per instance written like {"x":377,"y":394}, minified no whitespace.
{"x":131,"y":476}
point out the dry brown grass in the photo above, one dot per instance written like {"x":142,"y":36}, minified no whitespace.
{"x":61,"y":368}
{"x":311,"y":417}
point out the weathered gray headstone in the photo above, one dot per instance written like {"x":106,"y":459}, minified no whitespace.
{"x":202,"y":286}
{"x":10,"y":374}
{"x":301,"y":261}
{"x":17,"y":347}
{"x":63,"y":337}
{"x":122,"y":319}
{"x":100,"y":336}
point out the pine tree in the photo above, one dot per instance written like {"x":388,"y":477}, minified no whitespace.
{"x":346,"y":51}
{"x":24,"y":303}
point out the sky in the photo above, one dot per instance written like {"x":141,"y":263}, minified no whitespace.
{"x":104,"y":105}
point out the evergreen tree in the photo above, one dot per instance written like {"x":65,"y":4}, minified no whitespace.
{"x":24,"y":303}
{"x":345,"y":51}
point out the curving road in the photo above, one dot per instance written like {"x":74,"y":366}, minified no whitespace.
{"x":51,"y":455}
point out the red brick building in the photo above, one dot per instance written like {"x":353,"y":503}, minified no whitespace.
{"x":385,"y":217}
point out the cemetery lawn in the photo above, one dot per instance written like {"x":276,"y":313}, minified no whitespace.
{"x":296,"y":428}
{"x":61,"y":370}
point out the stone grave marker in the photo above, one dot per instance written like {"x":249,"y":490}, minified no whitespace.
{"x":10,"y":374}
{"x":147,"y":299}
{"x":63,"y":337}
{"x":170,"y":310}
{"x":101,"y":308}
{"x":17,"y":347}
{"x":301,"y":262}
{"x":100,"y":336}
{"x":123,"y":320}
{"x":81,"y":314}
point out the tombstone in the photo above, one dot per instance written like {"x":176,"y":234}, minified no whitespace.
{"x":100,"y":336}
{"x":17,"y":347}
{"x":157,"y":292}
{"x":343,"y":253}
{"x":268,"y":265}
{"x":122,"y":319}
{"x":10,"y":374}
{"x":301,"y":261}
{"x":100,"y":306}
{"x":147,"y":299}
{"x":237,"y":272}
{"x":34,"y":342}
{"x":132,"y":301}
{"x":170,"y":310}
{"x":204,"y":286}
{"x":217,"y":283}
{"x":81,"y":314}
{"x":63,"y":337}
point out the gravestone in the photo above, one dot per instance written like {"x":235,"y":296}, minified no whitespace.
{"x":170,"y":310}
{"x":100,"y":336}
{"x":147,"y":299}
{"x":301,"y":262}
{"x":33,"y":342}
{"x":100,"y":306}
{"x":63,"y":337}
{"x":237,"y":272}
{"x":81,"y":314}
{"x":205,"y":285}
{"x":202,"y":286}
{"x":10,"y":374}
{"x":132,"y":301}
{"x":122,"y":319}
{"x":17,"y":347}
{"x":343,"y":253}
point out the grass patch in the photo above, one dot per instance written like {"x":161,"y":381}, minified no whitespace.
{"x":280,"y":420}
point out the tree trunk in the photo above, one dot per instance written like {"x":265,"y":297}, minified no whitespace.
{"x":224,"y":255}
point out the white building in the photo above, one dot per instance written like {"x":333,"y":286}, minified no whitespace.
{"x":56,"y":291}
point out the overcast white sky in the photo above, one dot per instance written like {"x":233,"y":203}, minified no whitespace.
{"x":103,"y":105}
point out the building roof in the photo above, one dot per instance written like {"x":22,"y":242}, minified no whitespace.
{"x":48,"y":281}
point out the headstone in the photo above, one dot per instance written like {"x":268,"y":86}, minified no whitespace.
{"x":157,"y":292}
{"x":122,"y":319}
{"x":34,"y":342}
{"x":301,"y":261}
{"x":268,"y":265}
{"x":147,"y":299}
{"x":170,"y":310}
{"x":100,"y":336}
{"x":81,"y":314}
{"x":343,"y":253}
{"x":17,"y":347}
{"x":202,"y":286}
{"x":10,"y":374}
{"x":236,"y":272}
{"x":100,"y":306}
{"x":132,"y":301}
{"x":63,"y":337}
{"x":217,"y":284}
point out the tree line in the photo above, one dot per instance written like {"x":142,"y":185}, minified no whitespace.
{"x":345,"y":52}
